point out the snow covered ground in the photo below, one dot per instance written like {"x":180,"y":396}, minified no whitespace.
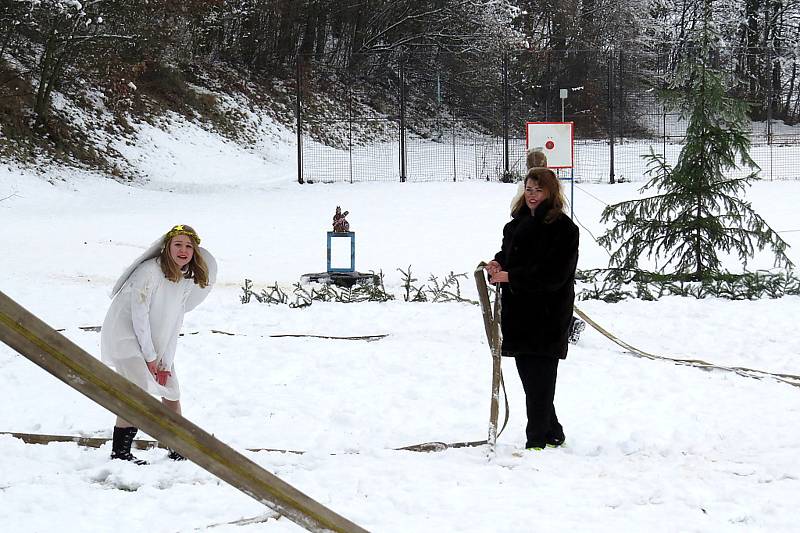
{"x":651,"y":446}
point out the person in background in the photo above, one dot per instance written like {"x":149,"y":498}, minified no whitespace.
{"x":140,"y":331}
{"x":536,"y":272}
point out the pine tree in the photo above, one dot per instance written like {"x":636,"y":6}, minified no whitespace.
{"x":697,"y":212}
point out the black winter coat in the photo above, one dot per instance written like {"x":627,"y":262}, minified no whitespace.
{"x":537,"y":301}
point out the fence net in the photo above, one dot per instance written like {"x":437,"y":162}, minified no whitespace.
{"x":435,"y":122}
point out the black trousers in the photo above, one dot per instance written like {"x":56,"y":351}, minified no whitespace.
{"x":538,"y":375}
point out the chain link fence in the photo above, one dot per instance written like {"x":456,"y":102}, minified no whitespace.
{"x":437,"y":120}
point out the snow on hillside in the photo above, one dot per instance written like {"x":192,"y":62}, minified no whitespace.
{"x":650,"y":446}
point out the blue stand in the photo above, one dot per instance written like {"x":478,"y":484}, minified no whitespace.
{"x":352,"y":236}
{"x":344,"y":277}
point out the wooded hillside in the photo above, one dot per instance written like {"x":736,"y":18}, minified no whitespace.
{"x":146,"y":56}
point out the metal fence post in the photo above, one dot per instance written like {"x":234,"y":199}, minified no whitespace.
{"x":299,"y":109}
{"x":506,"y":166}
{"x":769,"y":106}
{"x":453,"y":135}
{"x":610,"y":63}
{"x":402,"y":120}
{"x":662,"y":69}
{"x":350,"y":128}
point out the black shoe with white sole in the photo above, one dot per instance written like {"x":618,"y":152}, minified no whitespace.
{"x":121,"y":445}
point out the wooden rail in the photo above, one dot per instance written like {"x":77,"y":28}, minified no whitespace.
{"x":491,"y":325}
{"x":40,"y":343}
{"x":141,"y":444}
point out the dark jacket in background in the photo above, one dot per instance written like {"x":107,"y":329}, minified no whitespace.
{"x":537,"y":301}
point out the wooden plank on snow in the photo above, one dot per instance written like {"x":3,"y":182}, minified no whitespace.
{"x":40,"y":343}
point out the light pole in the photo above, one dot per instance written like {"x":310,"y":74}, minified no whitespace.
{"x":563,"y":93}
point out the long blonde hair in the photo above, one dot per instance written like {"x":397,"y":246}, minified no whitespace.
{"x":196,"y":268}
{"x":547,"y":180}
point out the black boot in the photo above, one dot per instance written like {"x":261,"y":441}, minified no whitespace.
{"x":121,"y":445}
{"x":576,"y":327}
{"x":175,"y":456}
{"x":554,"y":440}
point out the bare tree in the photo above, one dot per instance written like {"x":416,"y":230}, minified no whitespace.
{"x":63,"y":28}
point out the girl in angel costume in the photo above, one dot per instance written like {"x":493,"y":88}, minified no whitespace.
{"x":141,"y":328}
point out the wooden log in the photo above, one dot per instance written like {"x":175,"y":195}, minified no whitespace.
{"x":40,"y":343}
{"x":141,"y":444}
{"x":491,"y":323}
{"x":483,"y":298}
{"x":87,"y":442}
{"x":367,"y":338}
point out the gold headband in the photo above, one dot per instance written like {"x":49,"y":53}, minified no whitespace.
{"x":180,"y":229}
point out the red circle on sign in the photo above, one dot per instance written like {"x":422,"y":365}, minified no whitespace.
{"x":549,"y":145}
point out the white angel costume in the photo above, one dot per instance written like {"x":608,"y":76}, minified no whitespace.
{"x":145,"y":319}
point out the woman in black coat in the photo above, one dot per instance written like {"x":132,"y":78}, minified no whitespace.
{"x":536,"y":271}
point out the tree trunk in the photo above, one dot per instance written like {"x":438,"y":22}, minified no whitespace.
{"x":321,"y":37}
{"x":46,"y":64}
{"x":790,"y":94}
{"x":7,"y":32}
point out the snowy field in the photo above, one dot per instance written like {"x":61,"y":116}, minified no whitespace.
{"x":651,"y":446}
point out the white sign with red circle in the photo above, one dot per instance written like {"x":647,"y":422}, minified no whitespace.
{"x":555,"y":139}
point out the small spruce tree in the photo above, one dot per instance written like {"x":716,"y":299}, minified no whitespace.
{"x":697,"y":212}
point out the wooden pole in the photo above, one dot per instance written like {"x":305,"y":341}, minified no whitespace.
{"x":40,"y":343}
{"x":490,"y":324}
{"x":497,"y":373}
{"x":483,"y":298}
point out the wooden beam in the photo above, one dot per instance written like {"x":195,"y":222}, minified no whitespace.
{"x":491,"y":325}
{"x":88,"y":442}
{"x":40,"y":343}
{"x":96,"y":442}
